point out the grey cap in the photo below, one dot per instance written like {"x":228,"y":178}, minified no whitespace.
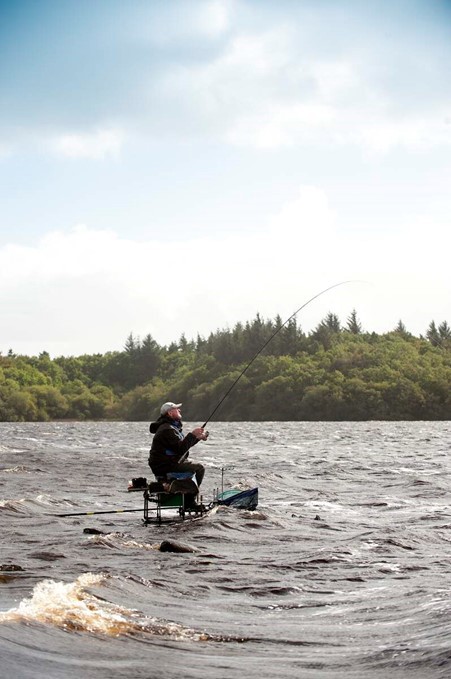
{"x":166,"y":407}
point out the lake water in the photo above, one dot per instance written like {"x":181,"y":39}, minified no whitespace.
{"x":344,"y":570}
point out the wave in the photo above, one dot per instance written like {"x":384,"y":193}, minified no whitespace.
{"x":20,"y":468}
{"x":31,"y":505}
{"x":73,"y":608}
{"x":120,"y":541}
{"x":13,"y":506}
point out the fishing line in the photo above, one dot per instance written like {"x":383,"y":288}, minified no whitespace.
{"x":336,"y":285}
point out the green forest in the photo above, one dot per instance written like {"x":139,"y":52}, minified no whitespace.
{"x":335,"y":372}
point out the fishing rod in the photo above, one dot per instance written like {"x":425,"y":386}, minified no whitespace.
{"x":106,"y":511}
{"x":336,"y":285}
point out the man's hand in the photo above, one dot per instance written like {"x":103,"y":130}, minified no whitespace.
{"x":200,"y":433}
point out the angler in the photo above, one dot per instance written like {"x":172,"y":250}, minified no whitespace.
{"x":170,"y":448}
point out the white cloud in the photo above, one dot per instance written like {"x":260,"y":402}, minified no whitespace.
{"x":335,"y":79}
{"x":381,"y":135}
{"x":84,"y":290}
{"x":264,"y":91}
{"x":260,"y":89}
{"x":180,"y":21}
{"x":308,"y":215}
{"x":237,"y":83}
{"x":214,"y":17}
{"x":96,"y":145}
{"x":282,"y":126}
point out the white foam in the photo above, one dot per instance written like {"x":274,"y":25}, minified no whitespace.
{"x":70,"y":607}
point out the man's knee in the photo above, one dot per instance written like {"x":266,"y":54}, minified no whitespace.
{"x":200,"y":471}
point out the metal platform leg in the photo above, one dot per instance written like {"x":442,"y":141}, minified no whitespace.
{"x":146,"y":507}
{"x":160,"y":502}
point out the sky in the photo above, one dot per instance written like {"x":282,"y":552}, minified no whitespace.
{"x":173,"y":167}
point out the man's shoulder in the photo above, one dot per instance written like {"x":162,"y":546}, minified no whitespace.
{"x":162,"y":426}
{"x":168,"y":428}
{"x":162,"y":422}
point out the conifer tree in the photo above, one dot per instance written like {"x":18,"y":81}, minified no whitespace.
{"x":432,"y":334}
{"x":402,"y":330}
{"x":444,"y":331}
{"x":353,"y":324}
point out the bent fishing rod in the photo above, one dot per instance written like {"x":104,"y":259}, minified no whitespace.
{"x":331,"y":287}
{"x":104,"y":511}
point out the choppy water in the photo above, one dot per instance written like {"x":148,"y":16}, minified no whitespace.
{"x":343,"y":571}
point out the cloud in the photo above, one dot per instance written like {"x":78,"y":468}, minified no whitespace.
{"x":240,"y":79}
{"x":247,"y":74}
{"x":180,"y":21}
{"x":282,"y":126}
{"x":83,"y":290}
{"x":383,"y":134}
{"x":214,"y":17}
{"x":265,"y":90}
{"x":308,"y":217}
{"x":98,"y":145}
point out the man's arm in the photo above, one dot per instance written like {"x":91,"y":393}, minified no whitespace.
{"x":178,"y":446}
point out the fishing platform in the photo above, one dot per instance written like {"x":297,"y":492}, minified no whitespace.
{"x":180,"y":499}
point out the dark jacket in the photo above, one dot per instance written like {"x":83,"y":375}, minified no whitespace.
{"x":168,"y":445}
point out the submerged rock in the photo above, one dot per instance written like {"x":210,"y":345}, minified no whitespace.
{"x":10,"y":567}
{"x":172,"y":546}
{"x":47,"y":556}
{"x":93,"y":531}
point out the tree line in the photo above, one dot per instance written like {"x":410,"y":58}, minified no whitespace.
{"x":335,"y":372}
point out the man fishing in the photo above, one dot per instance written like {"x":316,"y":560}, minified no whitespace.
{"x":170,"y":447}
